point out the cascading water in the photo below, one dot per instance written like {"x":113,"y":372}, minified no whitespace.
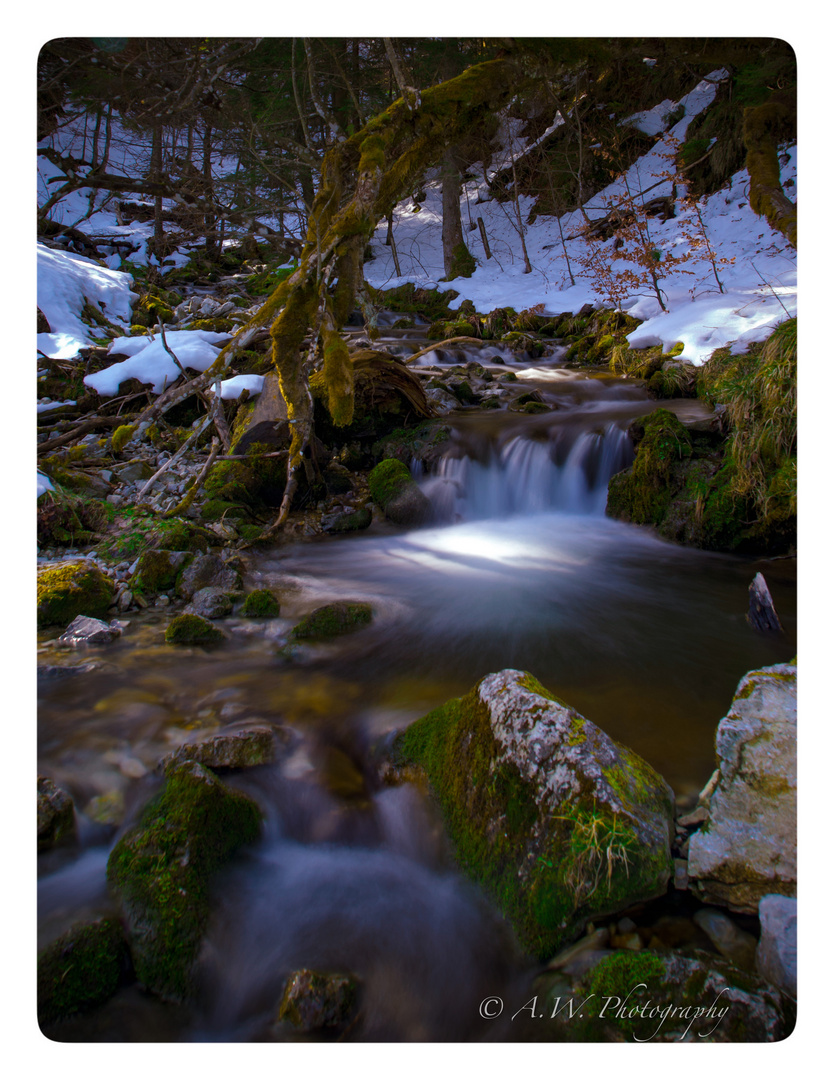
{"x":524,"y":476}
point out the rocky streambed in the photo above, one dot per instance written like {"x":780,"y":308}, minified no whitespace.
{"x":450,"y":748}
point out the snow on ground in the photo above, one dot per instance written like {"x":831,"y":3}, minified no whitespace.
{"x":756,"y":266}
{"x":65,"y":283}
{"x":725,"y":277}
{"x":150,"y":362}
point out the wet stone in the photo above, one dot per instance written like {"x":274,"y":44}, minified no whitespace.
{"x":56,"y":815}
{"x":239,"y":750}
{"x":84,"y":630}
{"x":315,"y":1001}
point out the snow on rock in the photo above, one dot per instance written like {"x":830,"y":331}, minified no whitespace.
{"x":149,"y":362}
{"x":44,"y":484}
{"x":234,"y":387}
{"x":65,"y":283}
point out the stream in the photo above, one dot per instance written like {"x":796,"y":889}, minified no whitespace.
{"x":520,"y":568}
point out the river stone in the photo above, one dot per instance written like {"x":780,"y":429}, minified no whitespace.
{"x":333,"y":620}
{"x":394,"y":490}
{"x":86,"y":631}
{"x":732,"y":942}
{"x":748,"y":847}
{"x":159,"y":872}
{"x":70,"y":589}
{"x":80,"y":970}
{"x":239,"y":750}
{"x":56,"y":815}
{"x":776,"y":951}
{"x":314,"y":1001}
{"x":210,"y":603}
{"x":188,"y":629}
{"x":558,"y":823}
{"x":208,"y":571}
{"x":346,"y":520}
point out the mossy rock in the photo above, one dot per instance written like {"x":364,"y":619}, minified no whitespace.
{"x":333,"y":620}
{"x":393,"y":489}
{"x":192,"y":630}
{"x":642,"y":493}
{"x":261,"y":603}
{"x":157,"y":570}
{"x":71,"y":589}
{"x":668,"y":997}
{"x":81,"y":969}
{"x":160,"y":872}
{"x":557,"y":822}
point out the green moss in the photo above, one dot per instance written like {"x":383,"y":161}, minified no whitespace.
{"x":72,"y":589}
{"x":633,"y":977}
{"x":80,"y":970}
{"x":332,"y":620}
{"x":121,"y":436}
{"x":157,"y":571}
{"x":260,"y":603}
{"x":388,"y":480}
{"x":160,"y":872}
{"x":642,"y":494}
{"x":192,"y":630}
{"x":338,"y":375}
{"x":463,"y":263}
{"x":547,"y":880}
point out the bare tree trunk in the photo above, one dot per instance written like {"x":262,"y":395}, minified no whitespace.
{"x":454,"y":247}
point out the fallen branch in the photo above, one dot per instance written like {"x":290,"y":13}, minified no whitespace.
{"x":76,"y":433}
{"x":188,"y":497}
{"x":175,"y":457}
{"x":443,"y":345}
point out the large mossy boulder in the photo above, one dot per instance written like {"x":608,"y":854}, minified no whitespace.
{"x":190,"y":629}
{"x":81,"y":969}
{"x":558,"y":823}
{"x":160,"y":870}
{"x":70,"y":589}
{"x":747,"y":847}
{"x":395,"y":492}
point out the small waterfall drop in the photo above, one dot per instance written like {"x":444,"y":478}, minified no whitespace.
{"x":526,"y":476}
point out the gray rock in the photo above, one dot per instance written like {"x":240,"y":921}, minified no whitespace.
{"x":210,"y":603}
{"x":776,"y":951}
{"x":84,"y":630}
{"x":555,"y":820}
{"x":239,"y":750}
{"x":410,"y":507}
{"x":748,"y":847}
{"x":208,"y":571}
{"x":735,"y":944}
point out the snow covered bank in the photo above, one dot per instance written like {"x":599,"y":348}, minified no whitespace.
{"x":726,"y":277}
{"x":66,"y":282}
{"x":149,"y":361}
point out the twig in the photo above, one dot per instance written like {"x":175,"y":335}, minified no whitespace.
{"x":766,"y":282}
{"x":168,"y":349}
{"x":443,"y":345}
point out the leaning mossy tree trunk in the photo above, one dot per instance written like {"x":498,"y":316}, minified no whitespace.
{"x":763,"y":127}
{"x":362,"y":179}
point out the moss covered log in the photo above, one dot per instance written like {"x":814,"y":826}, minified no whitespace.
{"x":762,"y":127}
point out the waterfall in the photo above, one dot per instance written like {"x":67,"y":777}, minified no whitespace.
{"x":526,"y":476}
